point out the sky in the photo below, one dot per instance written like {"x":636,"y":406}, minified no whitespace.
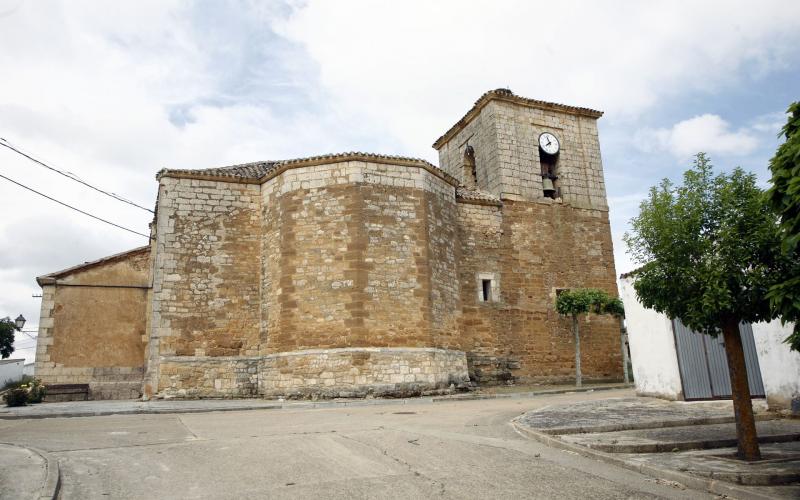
{"x":114,"y":91}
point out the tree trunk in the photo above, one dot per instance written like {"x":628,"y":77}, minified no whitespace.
{"x":623,"y":332}
{"x":576,"y":331}
{"x":740,"y":391}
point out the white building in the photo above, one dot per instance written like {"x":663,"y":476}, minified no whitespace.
{"x":672,"y":362}
{"x":10,"y":370}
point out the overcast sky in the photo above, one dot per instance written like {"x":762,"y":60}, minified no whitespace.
{"x":114,"y":91}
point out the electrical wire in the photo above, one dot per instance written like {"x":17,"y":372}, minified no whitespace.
{"x":73,"y":208}
{"x":70,"y":176}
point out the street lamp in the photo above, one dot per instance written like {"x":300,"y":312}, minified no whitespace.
{"x":19,"y":322}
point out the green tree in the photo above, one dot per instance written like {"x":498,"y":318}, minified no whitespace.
{"x":7,"y":329}
{"x":584,"y":301}
{"x":710,"y":250}
{"x":784,"y":196}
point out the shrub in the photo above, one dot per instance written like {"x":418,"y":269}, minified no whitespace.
{"x":36,"y":392}
{"x":17,"y":397}
{"x":12,"y":384}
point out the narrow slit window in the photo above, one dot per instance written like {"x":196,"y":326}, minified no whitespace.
{"x":486,"y":290}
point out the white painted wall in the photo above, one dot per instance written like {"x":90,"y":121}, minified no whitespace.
{"x":780,"y":366}
{"x":10,"y":370}
{"x":655,"y":360}
{"x":652,"y":344}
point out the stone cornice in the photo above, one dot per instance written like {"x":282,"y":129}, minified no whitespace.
{"x":277,"y":168}
{"x":508,"y":96}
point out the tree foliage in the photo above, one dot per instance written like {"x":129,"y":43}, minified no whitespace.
{"x":583,"y":301}
{"x":7,"y":329}
{"x":588,"y":300}
{"x":710,"y":249}
{"x":784,"y":196}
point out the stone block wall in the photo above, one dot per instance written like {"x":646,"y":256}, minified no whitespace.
{"x":535,"y":249}
{"x":481,"y":134}
{"x":206,"y":278}
{"x":505,"y":134}
{"x":360,"y":372}
{"x":208,"y":377}
{"x":348,"y":261}
{"x":579,"y":167}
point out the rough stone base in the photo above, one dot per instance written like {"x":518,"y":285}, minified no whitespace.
{"x":208,"y":377}
{"x":491,"y":370}
{"x":362,"y":372}
{"x":318,"y":373}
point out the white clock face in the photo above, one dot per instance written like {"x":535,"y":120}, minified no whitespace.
{"x":548,"y":143}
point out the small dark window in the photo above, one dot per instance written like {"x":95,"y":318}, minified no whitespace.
{"x":486,"y":290}
{"x":470,"y":170}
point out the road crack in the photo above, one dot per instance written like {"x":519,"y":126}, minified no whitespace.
{"x":439,"y":485}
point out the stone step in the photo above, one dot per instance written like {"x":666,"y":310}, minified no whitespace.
{"x":680,"y":438}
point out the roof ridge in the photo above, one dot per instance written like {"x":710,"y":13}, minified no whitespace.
{"x":88,"y":264}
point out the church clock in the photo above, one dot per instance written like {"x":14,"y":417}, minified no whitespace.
{"x":548,"y":143}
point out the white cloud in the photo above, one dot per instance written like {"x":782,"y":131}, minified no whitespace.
{"x":418,"y":65}
{"x":707,"y":133}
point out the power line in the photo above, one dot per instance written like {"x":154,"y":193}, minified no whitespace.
{"x":70,"y":176}
{"x":73,"y":208}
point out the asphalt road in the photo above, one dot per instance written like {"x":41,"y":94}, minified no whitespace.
{"x":439,"y":450}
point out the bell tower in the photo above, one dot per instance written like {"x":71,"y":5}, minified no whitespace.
{"x":526,"y":149}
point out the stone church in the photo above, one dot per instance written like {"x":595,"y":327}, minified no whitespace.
{"x":354,"y":274}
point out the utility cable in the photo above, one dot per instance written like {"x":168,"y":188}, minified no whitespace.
{"x":73,"y":208}
{"x":70,"y":176}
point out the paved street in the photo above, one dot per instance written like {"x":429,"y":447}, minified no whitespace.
{"x":461,"y":449}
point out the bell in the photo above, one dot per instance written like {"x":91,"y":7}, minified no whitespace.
{"x":547,"y":186}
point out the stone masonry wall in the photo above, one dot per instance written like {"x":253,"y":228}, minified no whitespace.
{"x":208,"y":377}
{"x":579,"y":166}
{"x":505,"y":138}
{"x":343,"y":255}
{"x":206,"y":285}
{"x":347,"y":257}
{"x":535,"y":249}
{"x":360,"y":372}
{"x":481,"y":134}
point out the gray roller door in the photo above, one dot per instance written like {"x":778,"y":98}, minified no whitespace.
{"x":704,"y":366}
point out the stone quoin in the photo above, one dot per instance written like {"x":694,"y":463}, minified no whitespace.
{"x":354,"y":274}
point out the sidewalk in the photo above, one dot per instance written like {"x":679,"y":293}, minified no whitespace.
{"x":127,"y":407}
{"x":689,"y":443}
{"x":24,"y":471}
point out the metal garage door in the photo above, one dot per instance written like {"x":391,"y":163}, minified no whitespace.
{"x":704,"y":367}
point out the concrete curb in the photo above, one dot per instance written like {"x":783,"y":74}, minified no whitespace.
{"x":690,"y":481}
{"x":650,"y":424}
{"x":309,"y":404}
{"x":52,"y":479}
{"x":670,"y":446}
